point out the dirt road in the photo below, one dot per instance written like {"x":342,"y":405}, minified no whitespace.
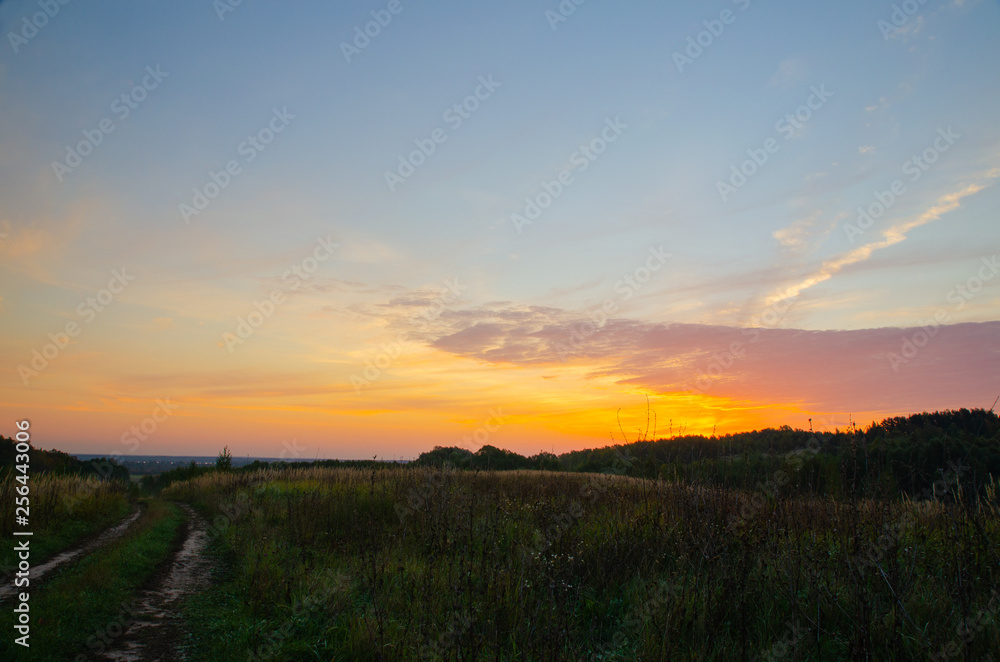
{"x":39,"y":571}
{"x":157,"y":633}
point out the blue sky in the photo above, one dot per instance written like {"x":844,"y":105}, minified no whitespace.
{"x":324,"y":175}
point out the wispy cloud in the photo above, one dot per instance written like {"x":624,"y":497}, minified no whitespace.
{"x":804,"y":233}
{"x":890,"y":237}
{"x":790,"y":72}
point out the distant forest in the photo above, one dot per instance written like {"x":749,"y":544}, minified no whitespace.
{"x":59,"y":462}
{"x":920,"y":455}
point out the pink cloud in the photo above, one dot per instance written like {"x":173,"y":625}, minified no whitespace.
{"x":828,"y":370}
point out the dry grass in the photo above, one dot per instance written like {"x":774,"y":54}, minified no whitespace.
{"x":554,"y":566}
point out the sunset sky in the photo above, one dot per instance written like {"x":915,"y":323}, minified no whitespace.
{"x":217,"y":226}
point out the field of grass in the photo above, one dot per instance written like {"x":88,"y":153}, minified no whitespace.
{"x":431,"y":564}
{"x":85,"y":606}
{"x":64,"y":510}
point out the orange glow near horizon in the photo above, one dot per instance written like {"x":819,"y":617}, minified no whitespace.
{"x":427,"y":399}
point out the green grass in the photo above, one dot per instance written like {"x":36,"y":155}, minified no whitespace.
{"x":74,"y":608}
{"x":219,"y":619}
{"x":630,"y":570}
{"x":64,"y":511}
{"x":47,"y":544}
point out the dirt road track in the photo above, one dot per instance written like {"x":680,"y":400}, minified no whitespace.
{"x":39,"y":571}
{"x":157,"y":633}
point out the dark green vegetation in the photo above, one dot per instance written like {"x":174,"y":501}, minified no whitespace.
{"x":69,"y":501}
{"x":65,"y":509}
{"x":775,"y":545}
{"x":58,"y":462}
{"x":154,"y":485}
{"x":907,"y":454}
{"x":86,"y":604}
{"x":880,"y":543}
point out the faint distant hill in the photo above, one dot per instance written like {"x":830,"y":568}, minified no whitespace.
{"x":58,"y":462}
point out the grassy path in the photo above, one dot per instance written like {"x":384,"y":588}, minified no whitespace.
{"x":158,"y":631}
{"x":84,"y":608}
{"x":47,"y":545}
{"x":53,"y":560}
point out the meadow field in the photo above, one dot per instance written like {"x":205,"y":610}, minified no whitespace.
{"x":435,"y":564}
{"x":784,"y":545}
